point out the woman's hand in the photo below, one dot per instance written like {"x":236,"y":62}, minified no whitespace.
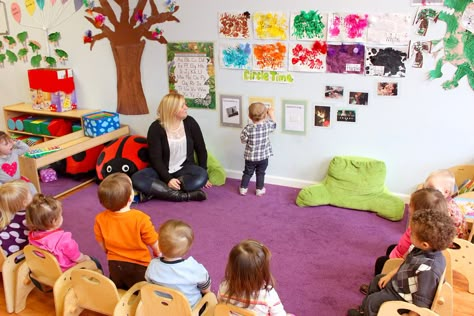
{"x":208,"y":184}
{"x":174,"y":184}
{"x":383,"y":281}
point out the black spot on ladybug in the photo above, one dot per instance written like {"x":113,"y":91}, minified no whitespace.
{"x":79,"y":157}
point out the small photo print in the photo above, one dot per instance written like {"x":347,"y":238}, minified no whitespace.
{"x":387,"y":89}
{"x":322,"y":116}
{"x":358,"y":98}
{"x":232,"y":111}
{"x":334,"y":92}
{"x":346,"y":116}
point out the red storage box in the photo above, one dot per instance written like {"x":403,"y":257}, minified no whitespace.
{"x":52,"y":89}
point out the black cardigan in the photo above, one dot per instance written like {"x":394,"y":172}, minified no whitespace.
{"x":159,"y":149}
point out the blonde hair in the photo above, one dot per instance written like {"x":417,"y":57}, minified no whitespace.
{"x":248,"y":271}
{"x":175,"y":238}
{"x":257,"y":111}
{"x":169,"y":106}
{"x":4,"y":137}
{"x":43,"y":212}
{"x":13,"y":196}
{"x":442,"y":180}
{"x":115,"y":191}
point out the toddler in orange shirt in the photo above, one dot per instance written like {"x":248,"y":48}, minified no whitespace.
{"x":124,"y":234}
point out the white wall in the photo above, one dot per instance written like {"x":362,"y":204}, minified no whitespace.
{"x":423,"y":129}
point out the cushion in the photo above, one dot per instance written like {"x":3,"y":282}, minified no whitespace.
{"x":356,"y":183}
{"x":215,"y":171}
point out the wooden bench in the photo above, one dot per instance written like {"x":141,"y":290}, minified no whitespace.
{"x":70,"y":144}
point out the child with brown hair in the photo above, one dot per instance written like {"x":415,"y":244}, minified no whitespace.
{"x":173,"y":270}
{"x":444,"y":181}
{"x":10,"y":150}
{"x":14,"y":197}
{"x":124,"y":234}
{"x":248,"y":281}
{"x":421,"y":199}
{"x":44,"y":219}
{"x":256,"y":137}
{"x":417,"y":279}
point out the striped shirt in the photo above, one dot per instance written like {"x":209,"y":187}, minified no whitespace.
{"x":257,"y":141}
{"x":264,"y":303}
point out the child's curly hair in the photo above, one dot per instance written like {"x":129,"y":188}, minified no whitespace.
{"x":434,"y":227}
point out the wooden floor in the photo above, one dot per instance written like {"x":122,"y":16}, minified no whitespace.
{"x":39,"y":303}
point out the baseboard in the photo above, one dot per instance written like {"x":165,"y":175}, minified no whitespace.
{"x":294,"y":183}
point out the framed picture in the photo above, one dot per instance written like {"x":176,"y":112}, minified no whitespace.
{"x":294,"y":116}
{"x":231,"y":110}
{"x":387,"y":89}
{"x":322,"y":116}
{"x":4,"y":30}
{"x":269,"y":102}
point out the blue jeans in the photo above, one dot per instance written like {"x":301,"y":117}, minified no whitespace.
{"x":259,"y":167}
{"x":192,"y":178}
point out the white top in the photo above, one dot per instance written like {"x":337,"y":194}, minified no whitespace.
{"x":264,"y":303}
{"x":177,"y":143}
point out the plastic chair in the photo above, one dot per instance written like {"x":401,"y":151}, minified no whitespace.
{"x":462,"y":260}
{"x":90,"y":290}
{"x":159,"y":300}
{"x":223,"y":309}
{"x":42,"y":268}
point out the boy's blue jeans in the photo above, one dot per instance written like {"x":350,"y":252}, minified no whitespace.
{"x":259,"y":167}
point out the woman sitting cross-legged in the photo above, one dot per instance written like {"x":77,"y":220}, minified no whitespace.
{"x":172,"y":141}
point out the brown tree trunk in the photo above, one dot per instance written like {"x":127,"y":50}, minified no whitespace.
{"x":130,"y":97}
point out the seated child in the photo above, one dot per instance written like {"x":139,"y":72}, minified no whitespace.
{"x":174,"y":271}
{"x":14,"y":197}
{"x":10,"y":150}
{"x":248,"y":281}
{"x":417,"y":279}
{"x":123,"y":233}
{"x":44,"y":219}
{"x":420,"y":199}
{"x":444,"y":181}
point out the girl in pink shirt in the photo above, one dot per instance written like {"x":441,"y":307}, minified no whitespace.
{"x":44,"y":219}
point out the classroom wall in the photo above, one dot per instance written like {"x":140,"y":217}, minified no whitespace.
{"x":423,"y":129}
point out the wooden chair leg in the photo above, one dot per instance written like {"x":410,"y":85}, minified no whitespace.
{"x":23,"y":287}
{"x":10,"y":271}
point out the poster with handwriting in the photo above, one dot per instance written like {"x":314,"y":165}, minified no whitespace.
{"x":191,"y":73}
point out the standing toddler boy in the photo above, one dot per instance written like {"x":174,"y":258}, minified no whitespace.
{"x":258,"y":149}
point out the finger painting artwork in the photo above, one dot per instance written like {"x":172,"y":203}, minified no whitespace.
{"x":389,"y":28}
{"x":345,"y":58}
{"x":236,"y":55}
{"x":269,"y":56}
{"x":270,"y":25}
{"x":306,"y":56}
{"x":350,"y":27}
{"x":386,"y":61}
{"x":234,"y":25}
{"x":308,"y":25}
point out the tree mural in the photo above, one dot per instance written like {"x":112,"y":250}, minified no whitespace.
{"x":127,"y":40}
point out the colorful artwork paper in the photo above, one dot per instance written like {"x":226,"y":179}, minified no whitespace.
{"x":386,"y":61}
{"x":350,"y":27}
{"x":234,"y":25}
{"x":270,"y":25}
{"x":308,"y":25}
{"x":305,"y":56}
{"x":345,"y":58}
{"x":269,"y":56}
{"x":236,"y":55}
{"x":389,"y":28}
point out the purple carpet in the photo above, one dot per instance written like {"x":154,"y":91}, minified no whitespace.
{"x":320,"y":254}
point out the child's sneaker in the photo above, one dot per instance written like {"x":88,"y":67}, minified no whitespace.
{"x":260,"y":192}
{"x":243,"y":191}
